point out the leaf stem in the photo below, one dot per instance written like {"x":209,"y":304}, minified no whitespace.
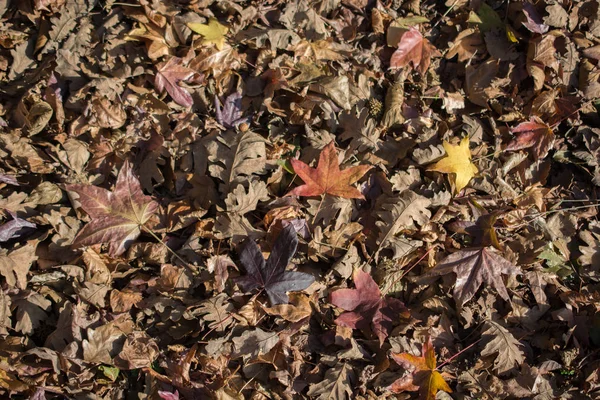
{"x":170,"y":250}
{"x":457,"y":354}
{"x":318,"y":209}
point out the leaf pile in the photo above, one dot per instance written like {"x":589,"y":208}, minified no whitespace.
{"x":303,"y":199}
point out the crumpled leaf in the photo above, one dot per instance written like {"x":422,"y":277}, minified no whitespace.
{"x":366,"y":308}
{"x":414,"y":49}
{"x":14,"y":228}
{"x":168,"y":76}
{"x":457,"y":162}
{"x":327,"y":178}
{"x":424,"y":377}
{"x":117,"y":216}
{"x":213,"y":32}
{"x":15,"y":265}
{"x":230,"y":116}
{"x":474,"y":267}
{"x":272,"y":276}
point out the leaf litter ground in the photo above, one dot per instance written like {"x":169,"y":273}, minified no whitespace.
{"x":303,"y":199}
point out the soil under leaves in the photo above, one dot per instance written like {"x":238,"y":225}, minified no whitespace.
{"x":306,"y":199}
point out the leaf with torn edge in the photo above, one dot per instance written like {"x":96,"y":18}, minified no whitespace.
{"x":534,"y":135}
{"x":366,"y":308}
{"x":327,"y":178}
{"x":474,"y":267}
{"x":271,"y":275}
{"x":117,"y":216}
{"x":424,"y":378}
{"x":457,"y":162}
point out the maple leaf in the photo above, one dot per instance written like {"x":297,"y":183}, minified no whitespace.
{"x":272,"y":276}
{"x":413,"y":48}
{"x":366,"y":307}
{"x":117,"y":216}
{"x":213,"y":32}
{"x":457,"y":162}
{"x":534,"y":135}
{"x":327,"y":178}
{"x":168,"y":76}
{"x":424,"y":377}
{"x":473,"y":267}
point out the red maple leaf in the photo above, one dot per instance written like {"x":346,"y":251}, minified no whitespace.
{"x":413,"y":48}
{"x":117,"y":216}
{"x":327,"y":177}
{"x":366,"y":307}
{"x":534,"y":135}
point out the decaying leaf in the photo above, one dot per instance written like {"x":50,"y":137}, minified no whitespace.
{"x":474,"y":267}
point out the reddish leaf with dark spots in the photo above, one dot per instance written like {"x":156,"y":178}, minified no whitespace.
{"x":366,"y":308}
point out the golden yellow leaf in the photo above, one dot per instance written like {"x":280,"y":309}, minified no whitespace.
{"x":213,"y":32}
{"x":457,"y":162}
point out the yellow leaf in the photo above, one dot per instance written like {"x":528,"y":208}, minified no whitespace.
{"x":457,"y":162}
{"x":213,"y":32}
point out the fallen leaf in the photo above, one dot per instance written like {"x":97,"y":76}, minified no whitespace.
{"x":414,"y":49}
{"x":424,"y":377}
{"x":272,"y":276}
{"x":365,"y":307}
{"x":117,"y":216}
{"x":534,"y":21}
{"x":457,"y":162}
{"x":534,"y":135}
{"x":168,"y":76}
{"x":502,"y":343}
{"x":474,"y":267}
{"x":336,"y":384}
{"x":327,"y":178}
{"x":213,"y":32}
{"x":14,"y":228}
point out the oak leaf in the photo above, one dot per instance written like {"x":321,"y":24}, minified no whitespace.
{"x":502,"y":343}
{"x":327,"y":178}
{"x":413,"y":48}
{"x":213,"y":32}
{"x":271,"y":275}
{"x":474,"y":267}
{"x":117,"y":216}
{"x":424,"y":378}
{"x":457,"y":162}
{"x":365,"y":307}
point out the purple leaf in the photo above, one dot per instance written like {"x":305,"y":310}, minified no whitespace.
{"x":534,"y":21}
{"x":271,"y":275}
{"x":14,"y":228}
{"x":231,"y":114}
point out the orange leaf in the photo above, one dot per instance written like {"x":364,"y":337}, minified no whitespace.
{"x":327,"y":177}
{"x":424,"y":377}
{"x":414,"y":48}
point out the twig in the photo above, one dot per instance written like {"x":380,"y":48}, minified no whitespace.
{"x":155,"y":236}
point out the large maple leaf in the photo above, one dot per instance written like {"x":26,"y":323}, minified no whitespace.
{"x":271,"y":275}
{"x":327,"y":177}
{"x":415,"y":49}
{"x":424,"y":378}
{"x":365,"y":307}
{"x":474,"y":267}
{"x":457,"y":162}
{"x":117,"y":216}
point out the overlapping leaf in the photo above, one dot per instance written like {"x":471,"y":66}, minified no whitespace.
{"x":117,"y":216}
{"x":272,"y":275}
{"x":366,"y":308}
{"x":327,"y":178}
{"x":457,"y":162}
